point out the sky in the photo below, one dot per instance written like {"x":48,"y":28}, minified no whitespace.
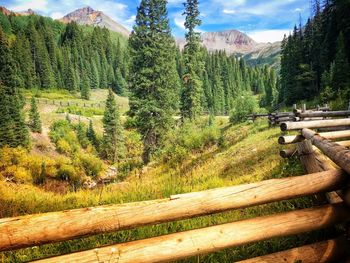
{"x":263,"y":20}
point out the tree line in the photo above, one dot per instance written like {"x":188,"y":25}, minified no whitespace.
{"x":163,"y":79}
{"x":160,"y":80}
{"x":315,"y":60}
{"x":49,"y":54}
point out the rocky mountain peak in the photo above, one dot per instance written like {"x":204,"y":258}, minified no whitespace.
{"x":91,"y":17}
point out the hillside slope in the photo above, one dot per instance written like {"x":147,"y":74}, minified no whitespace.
{"x":247,"y":153}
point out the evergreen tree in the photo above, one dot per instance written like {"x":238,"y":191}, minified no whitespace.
{"x":81,"y":135}
{"x":85,"y":88}
{"x":13,"y":130}
{"x":91,"y":135}
{"x":341,"y":71}
{"x":153,"y":76}
{"x":34,"y":117}
{"x":113,"y":141}
{"x":193,"y":66}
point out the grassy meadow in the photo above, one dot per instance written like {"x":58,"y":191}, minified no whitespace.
{"x":242,"y":153}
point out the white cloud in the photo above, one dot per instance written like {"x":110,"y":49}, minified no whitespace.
{"x":57,"y":15}
{"x":298,"y":10}
{"x":22,"y":5}
{"x":265,"y":36}
{"x":229,"y":11}
{"x":179,"y":21}
{"x":130,"y":22}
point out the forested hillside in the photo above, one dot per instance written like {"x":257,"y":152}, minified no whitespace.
{"x":50,"y":54}
{"x":315,"y":58}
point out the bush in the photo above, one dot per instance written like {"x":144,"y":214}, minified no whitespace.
{"x":187,"y":139}
{"x":92,"y":165}
{"x":243,"y":105}
{"x":66,"y":172}
{"x":18,"y":173}
{"x":63,"y":135}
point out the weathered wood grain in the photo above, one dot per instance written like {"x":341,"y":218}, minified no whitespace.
{"x":207,"y":240}
{"x":335,"y":250}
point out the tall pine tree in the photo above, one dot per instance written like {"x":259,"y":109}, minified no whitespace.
{"x":192,"y":90}
{"x":13,"y":130}
{"x":34,"y":117}
{"x":153,"y":76}
{"x":113,"y":141}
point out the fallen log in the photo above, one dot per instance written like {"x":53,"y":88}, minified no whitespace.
{"x":327,"y":135}
{"x":327,"y":114}
{"x":335,"y":250}
{"x":31,"y":230}
{"x":288,"y":126}
{"x":207,"y":240}
{"x":337,"y":153}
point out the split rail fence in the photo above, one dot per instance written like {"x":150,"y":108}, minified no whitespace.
{"x":326,"y":160}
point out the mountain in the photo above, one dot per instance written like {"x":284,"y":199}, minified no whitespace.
{"x":268,"y":54}
{"x":7,"y":12}
{"x":237,"y":43}
{"x":88,"y":16}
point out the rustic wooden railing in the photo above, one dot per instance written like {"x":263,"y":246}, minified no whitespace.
{"x":327,"y":179}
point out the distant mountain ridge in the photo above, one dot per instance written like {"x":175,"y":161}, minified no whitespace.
{"x":88,"y":16}
{"x":8,"y":12}
{"x":234,"y":42}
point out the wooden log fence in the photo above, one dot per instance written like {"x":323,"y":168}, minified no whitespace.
{"x":303,"y":114}
{"x":337,"y":153}
{"x":24,"y":231}
{"x":211,"y":239}
{"x":68,"y":103}
{"x":327,"y":135}
{"x":289,"y":126}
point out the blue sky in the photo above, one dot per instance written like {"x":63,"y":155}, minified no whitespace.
{"x":264,"y":21}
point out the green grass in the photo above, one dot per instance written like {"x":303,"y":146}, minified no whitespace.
{"x":81,"y":111}
{"x":249,"y":154}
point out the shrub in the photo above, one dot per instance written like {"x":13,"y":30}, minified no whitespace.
{"x":63,"y":135}
{"x":243,"y":105}
{"x":66,"y":172}
{"x":180,"y":143}
{"x":20,"y":174}
{"x":64,"y":147}
{"x":92,"y":165}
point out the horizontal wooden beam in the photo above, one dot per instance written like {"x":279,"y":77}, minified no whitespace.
{"x":324,"y":114}
{"x":288,"y":126}
{"x":31,"y":230}
{"x":328,"y":135}
{"x":334,"y":250}
{"x":211,"y":239}
{"x":340,"y":155}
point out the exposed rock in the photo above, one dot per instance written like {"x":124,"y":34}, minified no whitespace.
{"x":88,"y":16}
{"x":234,"y":42}
{"x":7,"y":12}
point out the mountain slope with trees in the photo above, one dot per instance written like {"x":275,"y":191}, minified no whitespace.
{"x":315,"y":59}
